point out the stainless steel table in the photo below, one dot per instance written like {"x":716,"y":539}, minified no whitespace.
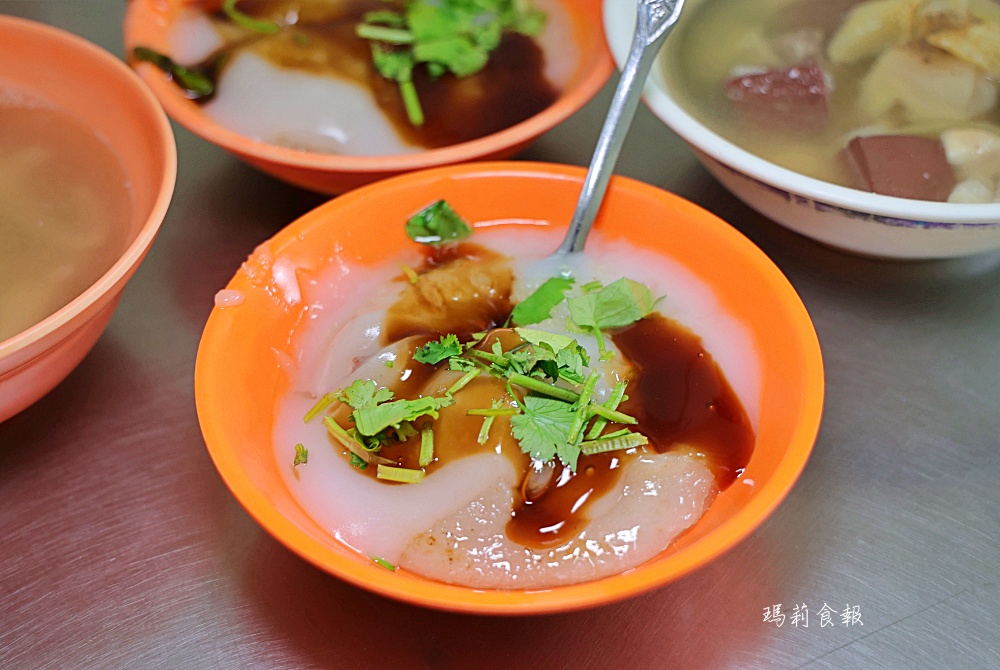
{"x":121,"y":548}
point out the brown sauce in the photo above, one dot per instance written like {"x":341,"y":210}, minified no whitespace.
{"x":678,"y":394}
{"x":320,"y":39}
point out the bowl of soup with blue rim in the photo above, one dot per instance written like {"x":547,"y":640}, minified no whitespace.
{"x":872,"y":127}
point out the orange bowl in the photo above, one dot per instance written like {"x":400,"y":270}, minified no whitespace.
{"x":71,"y":74}
{"x":148,"y":23}
{"x":242,"y":369}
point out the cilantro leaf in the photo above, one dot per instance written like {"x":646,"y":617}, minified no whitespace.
{"x":374,"y":419}
{"x":557,"y":355}
{"x":435,"y":352}
{"x":361,"y":393}
{"x":554,"y":341}
{"x":455,"y":36}
{"x":537,"y":307}
{"x":436,"y":224}
{"x":196,"y":82}
{"x":618,"y":304}
{"x":542,"y":429}
{"x":393,"y":64}
{"x":462,"y":56}
{"x":358,"y":462}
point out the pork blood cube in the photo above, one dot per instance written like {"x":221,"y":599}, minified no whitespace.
{"x":794,"y":98}
{"x":905,"y":166}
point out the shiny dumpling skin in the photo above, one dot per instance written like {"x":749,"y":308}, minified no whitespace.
{"x":660,"y":496}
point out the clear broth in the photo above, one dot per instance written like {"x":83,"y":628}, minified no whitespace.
{"x":65,"y":206}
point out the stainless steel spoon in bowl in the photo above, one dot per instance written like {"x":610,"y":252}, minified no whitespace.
{"x":654,"y":20}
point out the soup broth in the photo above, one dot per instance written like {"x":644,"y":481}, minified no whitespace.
{"x":725,"y":53}
{"x":65,"y":207}
{"x":475,"y":520}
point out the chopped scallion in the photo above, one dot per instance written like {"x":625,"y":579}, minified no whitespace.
{"x":612,"y":415}
{"x":411,"y":274}
{"x":401,"y":475}
{"x":463,"y":381}
{"x":617,"y":443}
{"x":538,"y":386}
{"x":350,"y":443}
{"x":426,"y":447}
{"x":493,"y":411}
{"x":301,"y":455}
{"x":320,"y":406}
{"x":384,"y":563}
{"x":615,"y":399}
{"x":248,"y":22}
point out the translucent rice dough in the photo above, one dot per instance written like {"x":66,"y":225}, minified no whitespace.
{"x":302,"y":111}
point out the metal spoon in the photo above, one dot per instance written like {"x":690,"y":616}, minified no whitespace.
{"x":654,"y":19}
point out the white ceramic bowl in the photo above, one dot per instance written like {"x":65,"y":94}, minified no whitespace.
{"x":845,"y":218}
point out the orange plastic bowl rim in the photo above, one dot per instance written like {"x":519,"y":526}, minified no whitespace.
{"x":237,"y":378}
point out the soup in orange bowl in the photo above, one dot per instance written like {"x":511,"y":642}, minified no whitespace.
{"x":87,"y":168}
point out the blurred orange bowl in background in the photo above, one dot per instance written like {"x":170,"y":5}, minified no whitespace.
{"x":148,"y":23}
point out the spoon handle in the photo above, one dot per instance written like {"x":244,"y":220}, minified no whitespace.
{"x":654,"y":19}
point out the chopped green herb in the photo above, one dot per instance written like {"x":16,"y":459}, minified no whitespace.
{"x":406,"y":431}
{"x":628,"y":440}
{"x":344,"y":438}
{"x":435,"y":352}
{"x":411,"y":274}
{"x":496,"y":410}
{"x":618,"y":304}
{"x":615,"y":399}
{"x":397,"y":65}
{"x":384,"y":563}
{"x":301,"y":455}
{"x":426,"y":447}
{"x":196,"y":83}
{"x":358,"y":462}
{"x":537,"y":307}
{"x":463,"y":381}
{"x":538,"y":386}
{"x":362,"y":393}
{"x":320,"y":406}
{"x":401,"y":475}
{"x":489,"y":415}
{"x":446,"y":36}
{"x":542,"y":429}
{"x":248,"y":22}
{"x":436,"y":224}
{"x":580,"y":414}
{"x":612,"y":415}
{"x":374,"y":419}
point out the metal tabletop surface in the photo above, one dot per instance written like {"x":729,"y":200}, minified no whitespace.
{"x":120,"y":547}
